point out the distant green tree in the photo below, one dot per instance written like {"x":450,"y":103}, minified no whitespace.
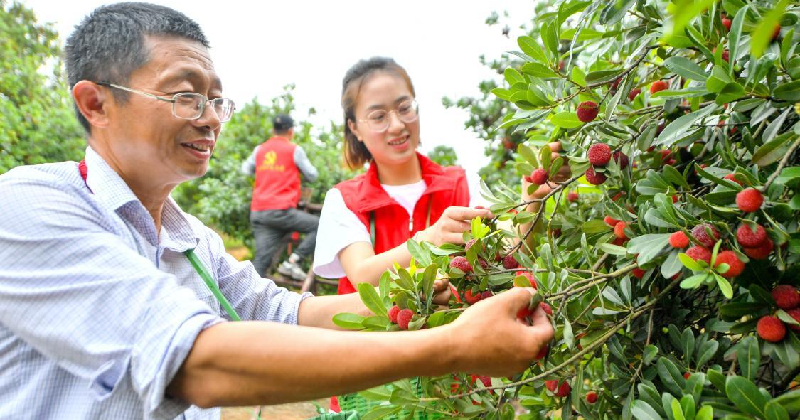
{"x":37,"y":124}
{"x":444,"y":155}
{"x":221,"y":198}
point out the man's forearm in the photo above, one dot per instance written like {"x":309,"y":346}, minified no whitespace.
{"x":248,"y":363}
{"x":318,"y":311}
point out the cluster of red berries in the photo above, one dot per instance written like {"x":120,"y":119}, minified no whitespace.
{"x":755,"y":241}
{"x":707,"y":235}
{"x":401,"y":317}
{"x":770,"y":327}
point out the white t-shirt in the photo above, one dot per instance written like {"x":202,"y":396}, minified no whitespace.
{"x":339,"y":227}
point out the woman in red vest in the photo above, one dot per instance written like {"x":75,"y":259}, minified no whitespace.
{"x":366,"y":221}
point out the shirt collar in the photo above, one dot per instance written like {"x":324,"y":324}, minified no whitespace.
{"x":111,"y":190}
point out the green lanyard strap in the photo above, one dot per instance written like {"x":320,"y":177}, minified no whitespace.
{"x":198,"y":266}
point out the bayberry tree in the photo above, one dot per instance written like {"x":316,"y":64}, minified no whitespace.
{"x":668,"y":253}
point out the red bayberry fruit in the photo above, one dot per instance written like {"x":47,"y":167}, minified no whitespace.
{"x":599,"y":154}
{"x":621,"y":159}
{"x":460,"y":262}
{"x":393,"y":311}
{"x":701,"y":233}
{"x":726,"y":23}
{"x":546,"y":308}
{"x":735,"y":265}
{"x":760,"y":252}
{"x":777,"y":32}
{"x":794,"y":313}
{"x":587,"y":111}
{"x":595,"y":178}
{"x":638,"y":273}
{"x":678,"y":240}
{"x":619,"y":230}
{"x":542,"y":352}
{"x":486,"y":294}
{"x":404,"y":318}
{"x":732,"y":177}
{"x":572,"y":196}
{"x":538,"y":176}
{"x":634,"y":93}
{"x":749,"y":200}
{"x":658,"y":86}
{"x":591,"y":397}
{"x":470,"y":297}
{"x":469,"y":244}
{"x":751,"y":238}
{"x":563,"y":390}
{"x":686,"y":375}
{"x":610,"y":221}
{"x":509,"y":263}
{"x":786,"y":297}
{"x":551,"y":385}
{"x":698,"y":253}
{"x":771,"y":328}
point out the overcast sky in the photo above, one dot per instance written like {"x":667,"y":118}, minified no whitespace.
{"x":259,"y":47}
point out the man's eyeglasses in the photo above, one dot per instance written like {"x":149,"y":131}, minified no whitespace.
{"x":187,"y":105}
{"x":378,"y":120}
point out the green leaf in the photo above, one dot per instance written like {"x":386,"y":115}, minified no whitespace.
{"x":790,"y":401}
{"x":706,"y":352}
{"x":682,"y":126}
{"x":539,"y":70}
{"x":774,"y":127}
{"x":348,"y":320}
{"x":717,"y":379}
{"x":381,"y":412}
{"x":671,"y":376}
{"x":532,"y":49}
{"x":762,"y":36}
{"x":566,"y":120}
{"x":677,"y":411}
{"x":671,"y":266}
{"x":613,"y":249}
{"x":749,"y":357}
{"x":745,"y":395}
{"x":775,"y":411}
{"x":685,"y":68}
{"x":735,"y":35}
{"x":687,"y":340}
{"x":772,"y":151}
{"x":428,"y":277}
{"x":403,"y":280}
{"x":528,"y":154}
{"x":689,"y":262}
{"x":693,"y":281}
{"x":683,"y":11}
{"x":602,"y":76}
{"x":643,"y":411}
{"x":729,"y":93}
{"x":649,"y":353}
{"x":706,"y":413}
{"x":724,"y":286}
{"x":735,"y":310}
{"x":513,"y":76}
{"x":371,"y":300}
{"x":648,"y":246}
{"x":419,"y":253}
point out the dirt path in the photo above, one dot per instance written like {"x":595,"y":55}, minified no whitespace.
{"x":293,"y":411}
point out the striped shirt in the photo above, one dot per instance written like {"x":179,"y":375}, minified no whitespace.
{"x":98,"y":309}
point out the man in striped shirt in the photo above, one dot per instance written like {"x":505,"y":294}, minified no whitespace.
{"x":104,"y":312}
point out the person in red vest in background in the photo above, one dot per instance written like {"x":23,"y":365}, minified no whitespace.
{"x":277,"y":164}
{"x":366,"y":221}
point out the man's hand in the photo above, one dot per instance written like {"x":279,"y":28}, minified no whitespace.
{"x":453,"y":223}
{"x":494,"y":342}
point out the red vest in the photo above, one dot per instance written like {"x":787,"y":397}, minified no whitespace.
{"x":277,"y":185}
{"x":364,"y":195}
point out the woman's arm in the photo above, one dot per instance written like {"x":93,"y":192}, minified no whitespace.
{"x":361,"y":264}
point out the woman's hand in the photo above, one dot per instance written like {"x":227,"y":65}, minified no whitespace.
{"x":451,"y":226}
{"x":562,"y":175}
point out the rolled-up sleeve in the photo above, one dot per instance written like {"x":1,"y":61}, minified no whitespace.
{"x":75,"y":291}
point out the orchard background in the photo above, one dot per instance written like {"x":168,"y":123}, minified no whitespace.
{"x":668,"y":256}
